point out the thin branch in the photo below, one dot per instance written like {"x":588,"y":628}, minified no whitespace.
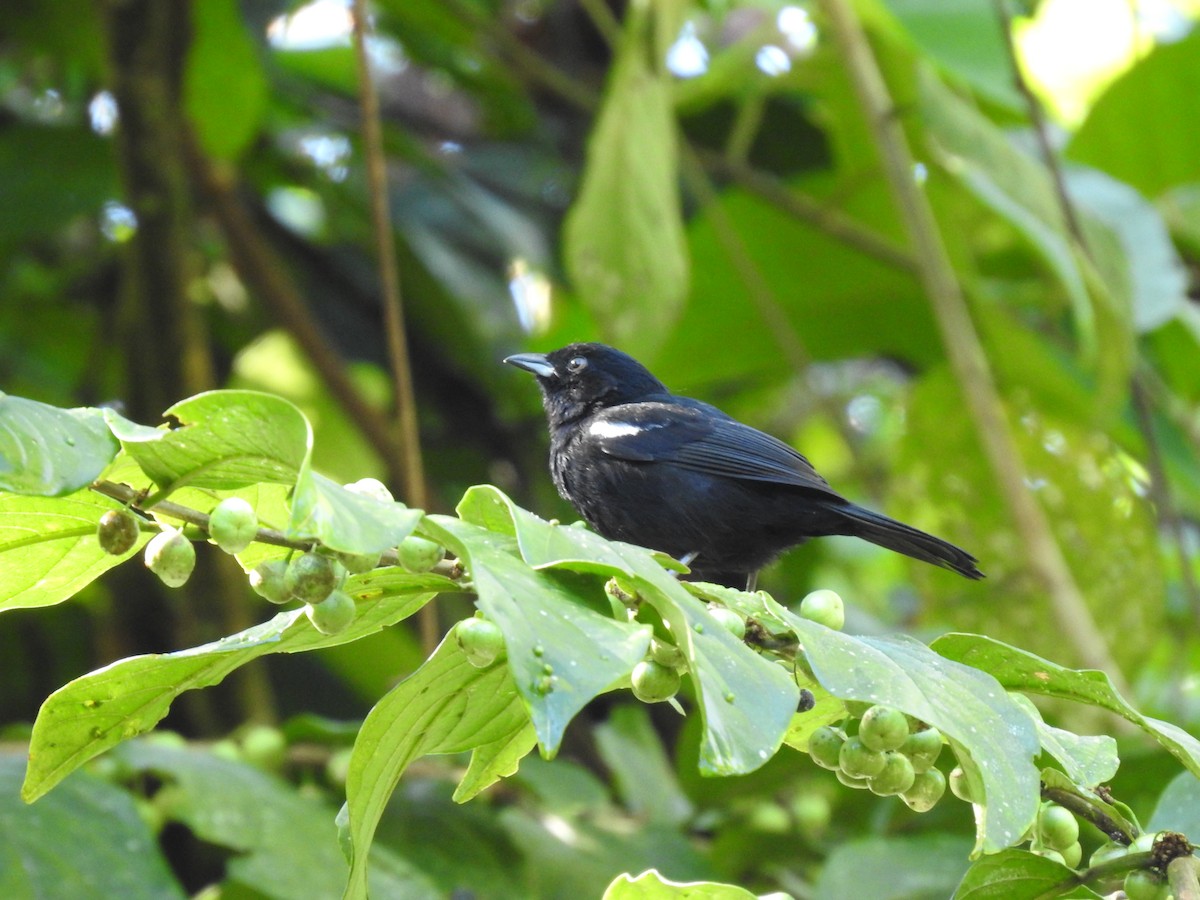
{"x":964,"y":350}
{"x":264,"y":273}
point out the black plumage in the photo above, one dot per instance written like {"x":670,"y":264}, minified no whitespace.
{"x":675,"y":474}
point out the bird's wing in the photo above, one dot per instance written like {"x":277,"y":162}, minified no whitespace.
{"x":700,"y":438}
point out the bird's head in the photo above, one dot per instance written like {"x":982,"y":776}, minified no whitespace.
{"x":580,"y":379}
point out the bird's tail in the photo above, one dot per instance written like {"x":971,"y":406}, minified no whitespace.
{"x":879,"y":529}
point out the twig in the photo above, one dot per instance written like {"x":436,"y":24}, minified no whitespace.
{"x":964,"y":350}
{"x":411,"y":465}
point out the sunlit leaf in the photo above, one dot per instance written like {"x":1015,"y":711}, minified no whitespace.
{"x":47,"y":451}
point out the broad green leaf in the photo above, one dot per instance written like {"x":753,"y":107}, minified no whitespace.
{"x":1178,"y":807}
{"x":495,"y":760}
{"x":643,"y":776}
{"x":446,"y":706}
{"x":561,"y":652}
{"x":46,"y":451}
{"x":746,"y":702}
{"x":894,"y":868}
{"x":1159,"y":96}
{"x":342,"y":520}
{"x":283,"y":841}
{"x":1086,"y":759}
{"x":227,"y":440}
{"x":1019,"y":875}
{"x":1019,"y":670}
{"x":224,"y":87}
{"x":88,"y":840}
{"x":48,"y":547}
{"x":127,"y":698}
{"x":966,"y":705}
{"x":624,"y":241}
{"x":650,"y":885}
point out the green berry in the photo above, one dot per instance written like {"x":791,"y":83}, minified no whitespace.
{"x":268,"y":581}
{"x":730,"y":620}
{"x":824,"y":607}
{"x":666,"y":653}
{"x":769,"y":818}
{"x":419,"y":555}
{"x":333,"y":614}
{"x":481,"y":640}
{"x":927,"y":789}
{"x":859,"y":761}
{"x":859,"y":784}
{"x":652,"y":681}
{"x":883,"y":728}
{"x":1057,"y":826}
{"x":923,"y":748}
{"x":232,"y":524}
{"x":825,"y":747}
{"x":337,"y":767}
{"x":857,"y":708}
{"x":896,"y":777}
{"x":1072,"y":855}
{"x":264,"y":746}
{"x":1142,"y":884}
{"x":117,"y":531}
{"x":812,"y":813}
{"x":310,"y":578}
{"x":960,"y":787}
{"x":171,"y":557}
{"x":371,"y":487}
{"x":358,"y":563}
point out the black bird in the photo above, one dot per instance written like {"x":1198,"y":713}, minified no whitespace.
{"x":647,"y":467}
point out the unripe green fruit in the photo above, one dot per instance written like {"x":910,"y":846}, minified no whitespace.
{"x":667,"y":654}
{"x":1142,"y":884}
{"x":232,"y":524}
{"x":264,"y":746}
{"x":857,"y":708}
{"x":337,"y":768}
{"x":896,"y":777}
{"x":824,"y":607}
{"x":850,"y":781}
{"x":923,"y":748}
{"x":812,"y":813}
{"x":825,"y":747}
{"x":371,"y":487}
{"x":959,"y":786}
{"x":769,"y":818}
{"x":310,"y":578}
{"x":1057,"y":826}
{"x":859,"y":761}
{"x":883,"y":728}
{"x":333,"y":614}
{"x":171,"y":557}
{"x":268,"y":579}
{"x":730,"y":620}
{"x":927,"y":789}
{"x":419,"y":555}
{"x":358,"y":563}
{"x":652,"y":681}
{"x":1072,"y":855}
{"x":481,"y":640}
{"x":117,"y":531}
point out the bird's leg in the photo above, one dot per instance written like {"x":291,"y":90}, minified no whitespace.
{"x":687,"y":560}
{"x":751,"y":582}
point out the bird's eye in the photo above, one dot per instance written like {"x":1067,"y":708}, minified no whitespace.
{"x":577,"y":364}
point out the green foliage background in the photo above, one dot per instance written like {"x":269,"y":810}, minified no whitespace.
{"x":552,"y":180}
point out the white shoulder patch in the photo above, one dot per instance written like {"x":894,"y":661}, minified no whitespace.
{"x":603,"y":428}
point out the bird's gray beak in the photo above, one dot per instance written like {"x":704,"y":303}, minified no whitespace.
{"x":533,"y":362}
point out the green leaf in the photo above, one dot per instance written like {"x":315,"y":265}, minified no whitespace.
{"x":227,"y":440}
{"x":343,"y":520}
{"x":1086,"y":759}
{"x":495,"y":760}
{"x":1019,"y":875}
{"x":49,"y":452}
{"x":894,"y":868}
{"x":1178,"y":806}
{"x":561,"y":652}
{"x":446,"y":706}
{"x":224,"y":86}
{"x":642,"y":774}
{"x":966,"y":705}
{"x":1159,"y":96}
{"x":86,"y":841}
{"x":746,"y":702}
{"x":624,"y":242}
{"x":101,"y":709}
{"x":48,"y":547}
{"x":650,"y":885}
{"x":1018,"y":670}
